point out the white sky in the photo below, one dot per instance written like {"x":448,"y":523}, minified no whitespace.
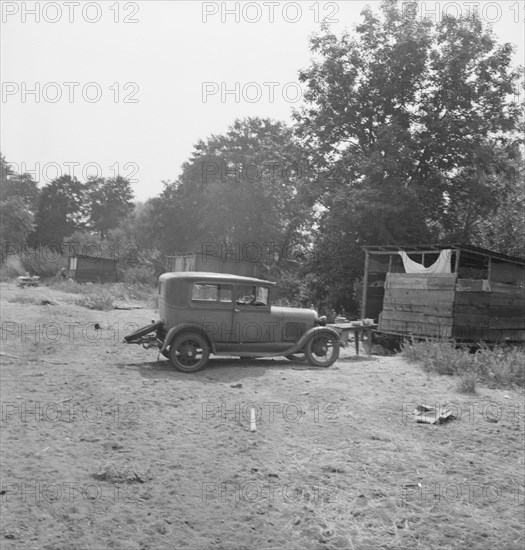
{"x":166,"y":55}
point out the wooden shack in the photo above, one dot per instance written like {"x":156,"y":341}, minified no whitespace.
{"x":93,"y":269}
{"x":482,"y":297}
{"x":210,"y":263}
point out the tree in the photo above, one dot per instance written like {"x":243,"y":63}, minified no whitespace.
{"x":18,"y":185}
{"x":396,"y":116}
{"x":504,"y":229}
{"x":61,"y":211}
{"x":16,"y":223}
{"x":18,"y":203}
{"x":109,"y":202}
{"x":241,"y":191}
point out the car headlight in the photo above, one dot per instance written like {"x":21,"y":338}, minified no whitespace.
{"x":321,"y":320}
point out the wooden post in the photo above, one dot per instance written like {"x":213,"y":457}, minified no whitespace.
{"x":489,"y":269}
{"x":456,"y":268}
{"x":389,"y":263}
{"x":365,"y":286}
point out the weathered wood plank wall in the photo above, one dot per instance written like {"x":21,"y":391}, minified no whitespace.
{"x":443,"y":305}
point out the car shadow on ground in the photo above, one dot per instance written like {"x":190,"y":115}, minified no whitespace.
{"x":357,"y":358}
{"x":219,"y":369}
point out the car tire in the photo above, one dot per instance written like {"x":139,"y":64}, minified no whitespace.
{"x":317,"y":350}
{"x":189,"y":352}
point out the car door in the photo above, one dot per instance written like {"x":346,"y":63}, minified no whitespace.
{"x":212,"y":308}
{"x":252,"y":322}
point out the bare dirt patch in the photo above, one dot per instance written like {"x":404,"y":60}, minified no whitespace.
{"x":104,"y":445}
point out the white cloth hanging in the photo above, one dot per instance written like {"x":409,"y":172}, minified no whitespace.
{"x":441,"y":265}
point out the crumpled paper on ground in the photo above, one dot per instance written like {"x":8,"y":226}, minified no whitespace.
{"x":431,"y":415}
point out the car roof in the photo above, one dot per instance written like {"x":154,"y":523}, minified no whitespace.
{"x":192,"y":276}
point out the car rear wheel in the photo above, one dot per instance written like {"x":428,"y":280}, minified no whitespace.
{"x":189,"y":352}
{"x":322,"y":350}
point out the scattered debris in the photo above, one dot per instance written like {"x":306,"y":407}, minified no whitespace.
{"x":47,"y":303}
{"x":431,"y":415}
{"x":97,"y":327}
{"x":235,"y":385}
{"x":27,"y":280}
{"x":118,"y":473}
{"x":42,"y":451}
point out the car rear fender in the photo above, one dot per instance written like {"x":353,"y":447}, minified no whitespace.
{"x":185,"y":327}
{"x":313,"y":332}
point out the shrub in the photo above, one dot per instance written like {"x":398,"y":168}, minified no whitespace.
{"x":68,"y":285}
{"x":466,"y":382}
{"x":25,"y":299}
{"x":141,"y":274}
{"x":501,"y":365}
{"x":497,"y":366}
{"x":11,"y":268}
{"x":104,"y":295}
{"x":44,"y":262}
{"x":101,"y":301}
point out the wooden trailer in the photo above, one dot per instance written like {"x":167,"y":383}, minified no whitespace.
{"x":482,"y":297}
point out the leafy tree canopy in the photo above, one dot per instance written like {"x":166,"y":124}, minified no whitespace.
{"x":415,"y":128}
{"x":109,"y":201}
{"x":241,"y":187}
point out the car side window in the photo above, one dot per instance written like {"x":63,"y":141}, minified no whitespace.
{"x":248,"y":295}
{"x":212,"y":293}
{"x":205,"y":293}
{"x":226,"y":294}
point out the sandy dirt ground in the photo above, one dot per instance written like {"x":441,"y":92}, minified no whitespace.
{"x":105,"y":446}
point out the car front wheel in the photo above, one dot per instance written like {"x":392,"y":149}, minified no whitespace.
{"x":322,"y":350}
{"x":189,"y":352}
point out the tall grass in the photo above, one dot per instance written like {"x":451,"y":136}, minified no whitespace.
{"x":104,"y":296}
{"x":20,"y":298}
{"x":498,"y":366}
{"x":102,"y":301}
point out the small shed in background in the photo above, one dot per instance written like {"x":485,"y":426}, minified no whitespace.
{"x":479,"y":296}
{"x":92,"y":269}
{"x":210,"y":263}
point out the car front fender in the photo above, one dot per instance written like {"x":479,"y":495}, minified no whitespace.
{"x":185,"y":327}
{"x":312,"y":333}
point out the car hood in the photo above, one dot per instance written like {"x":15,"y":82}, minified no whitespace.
{"x":295,"y":314}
